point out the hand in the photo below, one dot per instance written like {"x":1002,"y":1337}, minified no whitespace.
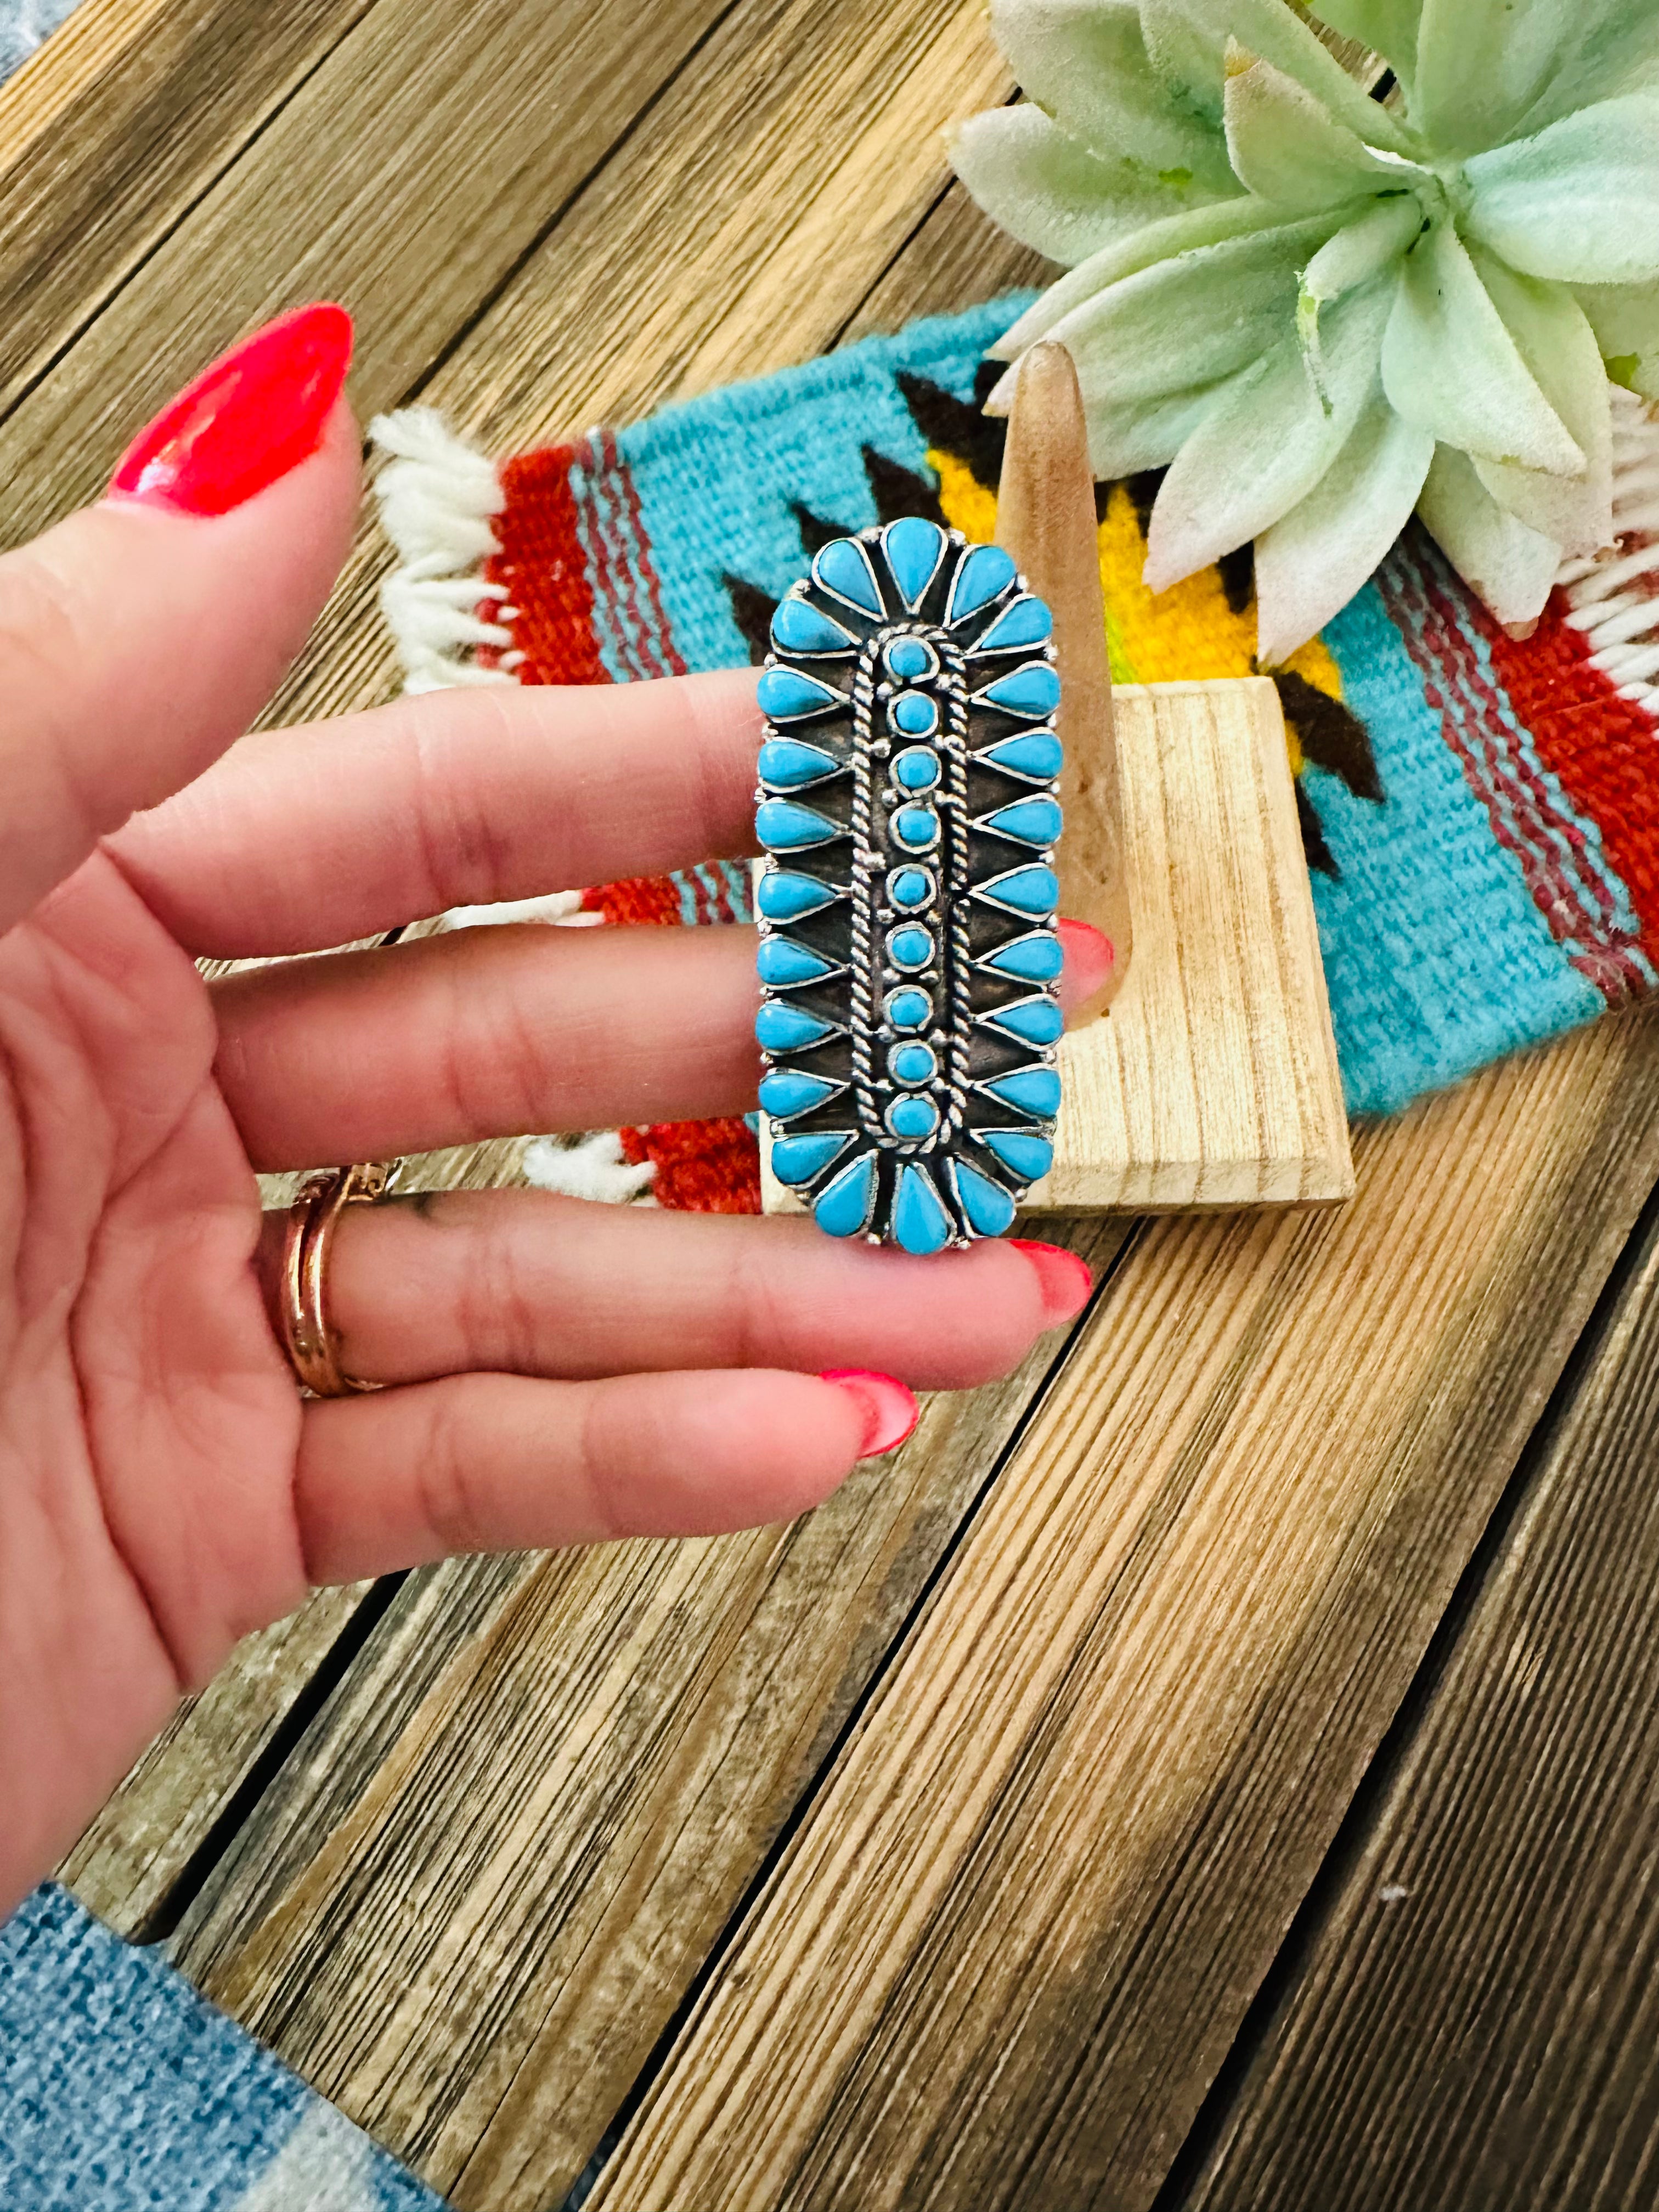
{"x":565,"y":1372}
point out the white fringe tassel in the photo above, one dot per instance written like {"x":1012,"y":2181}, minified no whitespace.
{"x":1614,"y":595}
{"x":438,"y":498}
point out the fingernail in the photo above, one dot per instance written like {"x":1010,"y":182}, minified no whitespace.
{"x":1066,"y":1280}
{"x":890,"y":1411}
{"x":1089,"y":957}
{"x":253,"y":416}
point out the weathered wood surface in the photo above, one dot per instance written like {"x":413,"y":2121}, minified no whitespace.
{"x":1475,"y":2019}
{"x":1214,"y":1080}
{"x":127,"y":1864}
{"x":1016,"y":1932}
{"x":469,"y":1919}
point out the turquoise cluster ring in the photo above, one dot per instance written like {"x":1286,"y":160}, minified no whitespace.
{"x":909,"y":959}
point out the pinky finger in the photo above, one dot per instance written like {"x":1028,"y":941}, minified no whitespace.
{"x":501,"y":1462}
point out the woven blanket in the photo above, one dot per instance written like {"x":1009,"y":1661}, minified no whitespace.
{"x":121,"y":2090}
{"x":1480,"y":814}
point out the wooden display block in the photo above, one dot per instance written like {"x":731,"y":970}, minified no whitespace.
{"x":1213,"y":1080}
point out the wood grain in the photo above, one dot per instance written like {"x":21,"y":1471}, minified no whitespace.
{"x":735,"y":230}
{"x":112,"y":131}
{"x":1214,"y":1081}
{"x":407,"y":176}
{"x":469,"y":1919}
{"x":957,"y":259}
{"x":126,"y":1865}
{"x":1475,"y":2022}
{"x":1014,"y":1936}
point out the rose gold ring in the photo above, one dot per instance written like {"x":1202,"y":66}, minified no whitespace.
{"x":313,"y":1346}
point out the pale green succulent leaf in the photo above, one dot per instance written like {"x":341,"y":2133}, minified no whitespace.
{"x":1187,"y":42}
{"x":1189,"y":321}
{"x":1374,"y":239}
{"x":1085,"y":62}
{"x":1126,"y":437}
{"x":1608,"y":47}
{"x":1050,"y":192}
{"x":1311,"y":562}
{"x":1264,"y":443}
{"x":1626,"y":320}
{"x":1553,"y":337}
{"x":1388,"y":27}
{"x":1580,"y":202}
{"x":1450,"y":366}
{"x":1480,"y":65}
{"x":1168,"y":240}
{"x":1511,"y":568}
{"x":1285,"y":147}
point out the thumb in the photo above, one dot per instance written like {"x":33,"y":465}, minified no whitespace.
{"x":140,"y":637}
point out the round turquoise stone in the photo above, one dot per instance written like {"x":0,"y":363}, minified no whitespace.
{"x":910,"y":658}
{"x":913,"y":1118}
{"x":909,"y":888}
{"x":909,"y":1007}
{"x":912,"y":1064}
{"x":917,"y":768}
{"x":910,"y":946}
{"x":916,"y":713}
{"x":916,"y":827}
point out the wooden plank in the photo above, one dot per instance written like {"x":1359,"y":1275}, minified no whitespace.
{"x":1475,"y":2019}
{"x":956,"y":260}
{"x":736,"y":231}
{"x":1215,"y":1082}
{"x":469,"y":1927}
{"x":407,"y":175}
{"x":1010,"y":1943}
{"x":114,"y":130}
{"x":126,"y":1864}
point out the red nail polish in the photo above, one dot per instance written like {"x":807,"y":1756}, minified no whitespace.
{"x":891,"y":1410}
{"x":1066,"y":1280}
{"x":253,"y":416}
{"x":1090,"y":955}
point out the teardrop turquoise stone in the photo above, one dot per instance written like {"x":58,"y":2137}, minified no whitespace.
{"x":919,"y":1221}
{"x":1036,"y":752}
{"x":1028,"y":891}
{"x":988,"y":1207}
{"x":796,"y":1160}
{"x":844,"y":567}
{"x":1032,"y":821}
{"x":781,"y":962}
{"x":1033,"y":690}
{"x":786,"y":1091}
{"x":787,"y":762}
{"x":984,"y":571}
{"x":1038,"y":1021}
{"x":843,"y":1206}
{"x":1025,"y":623}
{"x":1033,"y":1090}
{"x":913,"y":546}
{"x":784,"y":826}
{"x":783,"y":1028}
{"x":1032,"y":959}
{"x":1028,"y":1157}
{"x":786,"y":896}
{"x":786,"y":695}
{"x":799,"y":627}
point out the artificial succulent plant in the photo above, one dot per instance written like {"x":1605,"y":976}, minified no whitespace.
{"x":1321,"y":310}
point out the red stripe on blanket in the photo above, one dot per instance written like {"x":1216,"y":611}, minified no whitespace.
{"x":541,"y":564}
{"x":1604,"y":749}
{"x":703,"y":1167}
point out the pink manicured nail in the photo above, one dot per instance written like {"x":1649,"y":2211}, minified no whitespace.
{"x":1090,"y":957}
{"x":250,"y":418}
{"x":1065,"y":1279}
{"x":890,"y":1411}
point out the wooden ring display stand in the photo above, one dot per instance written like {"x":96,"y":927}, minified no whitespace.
{"x":1205,"y":1073}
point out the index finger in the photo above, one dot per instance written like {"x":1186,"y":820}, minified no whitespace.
{"x":301,"y":839}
